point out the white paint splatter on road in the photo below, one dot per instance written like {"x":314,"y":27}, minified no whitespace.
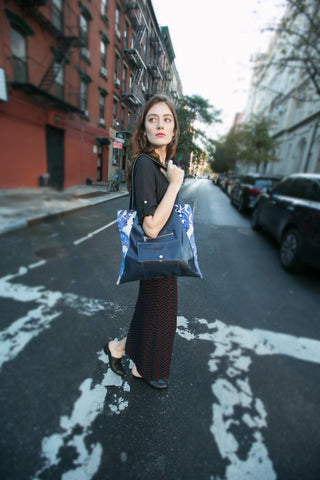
{"x":234,"y":402}
{"x":16,"y":336}
{"x":88,"y":406}
{"x":233,"y":346}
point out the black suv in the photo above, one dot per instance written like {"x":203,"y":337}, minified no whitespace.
{"x":291,"y":213}
{"x":244,"y":193}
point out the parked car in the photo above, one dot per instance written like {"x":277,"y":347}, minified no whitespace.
{"x":224,"y":183}
{"x":290,"y":212}
{"x":218,"y":179}
{"x":245,"y":192}
{"x":228,"y":183}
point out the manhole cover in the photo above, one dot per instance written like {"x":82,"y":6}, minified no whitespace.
{"x":51,"y":252}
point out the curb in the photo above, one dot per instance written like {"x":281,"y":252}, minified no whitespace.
{"x":27,"y":222}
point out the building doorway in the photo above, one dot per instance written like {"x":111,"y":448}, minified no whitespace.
{"x":99,"y":164}
{"x":55,"y":157}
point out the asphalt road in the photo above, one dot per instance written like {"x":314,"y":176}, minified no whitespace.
{"x":244,"y":395}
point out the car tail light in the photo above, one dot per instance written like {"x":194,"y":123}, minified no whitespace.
{"x":255,"y":191}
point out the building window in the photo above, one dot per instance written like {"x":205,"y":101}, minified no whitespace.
{"x":84,"y":37}
{"x":122,"y":122}
{"x":101,"y":108}
{"x":126,"y":35}
{"x":84,"y":96}
{"x":59,"y":83}
{"x":19,"y":56}
{"x":103,"y":49}
{"x":104,"y":4}
{"x":57,"y":18}
{"x":114,"y":111}
{"x":124,"y":79}
{"x":117,"y":70}
{"x":84,"y":30}
{"x":118,"y":22}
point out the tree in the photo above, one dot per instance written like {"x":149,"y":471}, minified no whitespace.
{"x":193,"y":111}
{"x":249,"y":143}
{"x":256,"y":145}
{"x":225,"y":152}
{"x":298,"y":48}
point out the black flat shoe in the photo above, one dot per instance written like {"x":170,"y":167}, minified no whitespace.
{"x":115,"y":363}
{"x":157,"y":384}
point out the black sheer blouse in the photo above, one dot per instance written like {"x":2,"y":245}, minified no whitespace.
{"x":149,"y":186}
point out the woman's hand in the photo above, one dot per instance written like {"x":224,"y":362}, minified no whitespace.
{"x":175,"y":175}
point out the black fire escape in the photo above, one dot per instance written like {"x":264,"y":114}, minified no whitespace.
{"x":133,"y":97}
{"x":65,"y":43}
{"x":154,"y":64}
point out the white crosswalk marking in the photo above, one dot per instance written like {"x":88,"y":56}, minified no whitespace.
{"x":233,"y":346}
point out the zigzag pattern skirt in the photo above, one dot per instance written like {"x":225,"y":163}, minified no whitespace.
{"x":153,"y":327}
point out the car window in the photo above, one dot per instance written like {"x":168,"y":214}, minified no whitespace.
{"x":299,"y":188}
{"x":313,"y":192}
{"x":284,"y":187}
{"x":293,"y":187}
{"x":263,"y":183}
{"x":248,"y":180}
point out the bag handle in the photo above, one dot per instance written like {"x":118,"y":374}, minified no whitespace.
{"x":131,"y":202}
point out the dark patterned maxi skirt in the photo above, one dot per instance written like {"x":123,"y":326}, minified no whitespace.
{"x":153,"y":327}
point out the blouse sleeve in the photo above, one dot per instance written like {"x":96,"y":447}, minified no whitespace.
{"x":145,"y":188}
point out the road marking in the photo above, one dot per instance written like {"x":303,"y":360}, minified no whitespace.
{"x":91,"y":234}
{"x":87,"y":407}
{"x":20,"y":332}
{"x":233,"y":352}
{"x":232,"y":347}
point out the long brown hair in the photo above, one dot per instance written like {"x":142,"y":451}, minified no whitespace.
{"x":140,"y":143}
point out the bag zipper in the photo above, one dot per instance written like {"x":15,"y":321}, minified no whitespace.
{"x":145,"y":238}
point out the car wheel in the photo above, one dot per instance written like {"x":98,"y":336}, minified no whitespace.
{"x":290,"y":250}
{"x":255,"y":225}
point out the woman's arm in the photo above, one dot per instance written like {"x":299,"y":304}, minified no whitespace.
{"x":152,"y":224}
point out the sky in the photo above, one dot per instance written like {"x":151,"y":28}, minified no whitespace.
{"x":214,"y":41}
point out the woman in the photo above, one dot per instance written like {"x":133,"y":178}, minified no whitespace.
{"x":155,"y":186}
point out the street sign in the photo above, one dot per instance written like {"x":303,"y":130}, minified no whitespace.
{"x":119,"y":138}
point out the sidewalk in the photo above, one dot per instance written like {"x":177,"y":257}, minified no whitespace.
{"x":24,"y":206}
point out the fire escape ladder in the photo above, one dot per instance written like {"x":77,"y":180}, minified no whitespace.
{"x":31,"y":7}
{"x":141,"y":29}
{"x":59,"y":60}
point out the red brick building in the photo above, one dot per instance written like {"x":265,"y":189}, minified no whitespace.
{"x":73,"y":77}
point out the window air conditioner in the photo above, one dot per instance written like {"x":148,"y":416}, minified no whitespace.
{"x":102,"y":121}
{"x":117,"y":82}
{"x":85,"y":52}
{"x":86,"y":113}
{"x":103,"y":71}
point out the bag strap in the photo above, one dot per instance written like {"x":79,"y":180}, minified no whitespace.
{"x":131,"y":202}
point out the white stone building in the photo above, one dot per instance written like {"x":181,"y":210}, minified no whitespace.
{"x":289,"y":99}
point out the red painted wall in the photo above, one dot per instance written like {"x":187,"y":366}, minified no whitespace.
{"x":23,"y":120}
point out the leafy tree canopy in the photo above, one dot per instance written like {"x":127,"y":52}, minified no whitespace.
{"x":250,"y":143}
{"x":193,"y":111}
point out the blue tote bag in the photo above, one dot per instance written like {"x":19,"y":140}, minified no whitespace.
{"x":173,"y":253}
